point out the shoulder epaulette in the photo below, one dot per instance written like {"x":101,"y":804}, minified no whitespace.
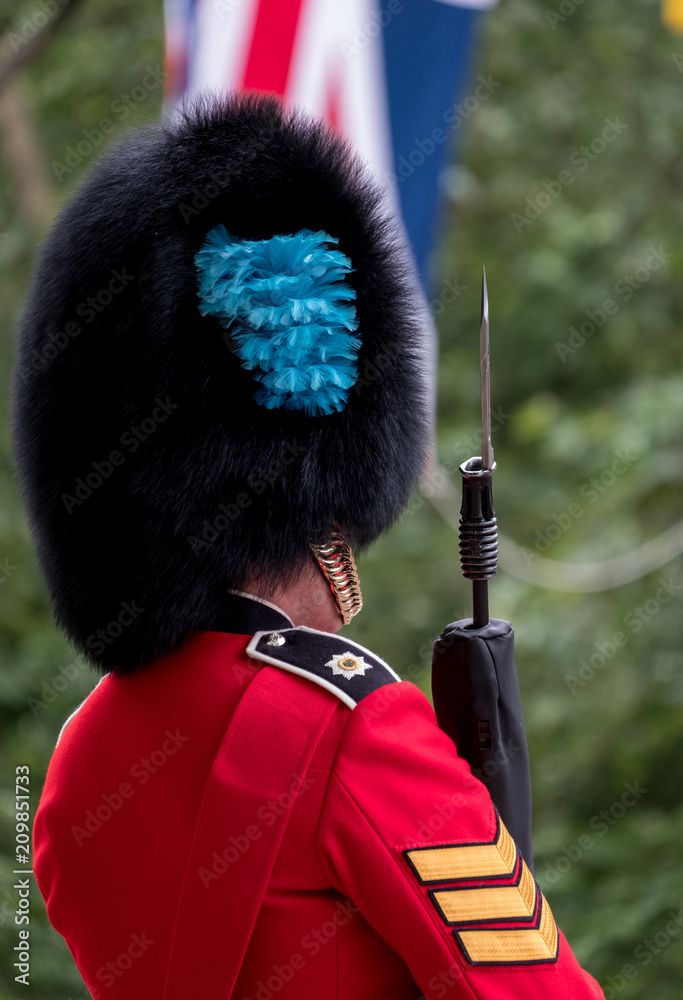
{"x":348,"y":670}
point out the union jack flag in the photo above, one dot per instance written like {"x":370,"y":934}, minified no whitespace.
{"x":388,"y":74}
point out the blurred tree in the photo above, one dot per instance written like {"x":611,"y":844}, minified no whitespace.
{"x":28,"y":177}
{"x":21,"y":45}
{"x":570,"y":190}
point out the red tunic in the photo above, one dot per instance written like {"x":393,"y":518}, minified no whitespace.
{"x":394,"y":877}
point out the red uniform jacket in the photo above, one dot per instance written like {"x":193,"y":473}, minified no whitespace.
{"x":394,"y":878}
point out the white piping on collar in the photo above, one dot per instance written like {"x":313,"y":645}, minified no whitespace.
{"x":261,"y":600}
{"x":300,"y":671}
{"x":309,"y":675}
{"x":317,"y":631}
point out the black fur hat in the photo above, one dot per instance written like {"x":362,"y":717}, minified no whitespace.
{"x":152,"y":477}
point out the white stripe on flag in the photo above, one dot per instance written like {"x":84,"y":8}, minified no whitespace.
{"x":338,"y":61}
{"x":224,"y":33}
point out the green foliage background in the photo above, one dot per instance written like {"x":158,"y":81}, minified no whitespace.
{"x":562,"y":422}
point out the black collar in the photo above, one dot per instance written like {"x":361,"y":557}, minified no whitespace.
{"x":245,"y":614}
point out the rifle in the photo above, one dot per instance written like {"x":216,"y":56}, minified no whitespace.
{"x":474,"y":678}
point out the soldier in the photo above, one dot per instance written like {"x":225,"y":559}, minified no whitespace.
{"x":220,"y":390}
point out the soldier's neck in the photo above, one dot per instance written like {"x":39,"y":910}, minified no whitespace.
{"x":309,"y":601}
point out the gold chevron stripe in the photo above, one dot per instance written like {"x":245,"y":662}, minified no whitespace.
{"x":466,"y":861}
{"x":489,"y":902}
{"x":504,"y":947}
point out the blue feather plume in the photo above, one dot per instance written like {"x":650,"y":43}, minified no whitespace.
{"x":290,"y":313}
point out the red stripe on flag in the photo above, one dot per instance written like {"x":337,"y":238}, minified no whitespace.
{"x":270,"y":55}
{"x":333,"y":115}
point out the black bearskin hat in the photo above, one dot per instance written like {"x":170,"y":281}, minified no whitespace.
{"x":161,"y":458}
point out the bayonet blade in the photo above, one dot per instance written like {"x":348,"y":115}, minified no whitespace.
{"x":485,"y":374}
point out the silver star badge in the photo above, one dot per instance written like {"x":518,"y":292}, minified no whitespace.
{"x":348,"y":664}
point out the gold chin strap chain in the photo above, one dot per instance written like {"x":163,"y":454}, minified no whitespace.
{"x":336,"y":561}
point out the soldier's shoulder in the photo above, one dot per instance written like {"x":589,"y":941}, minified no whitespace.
{"x":347,"y":669}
